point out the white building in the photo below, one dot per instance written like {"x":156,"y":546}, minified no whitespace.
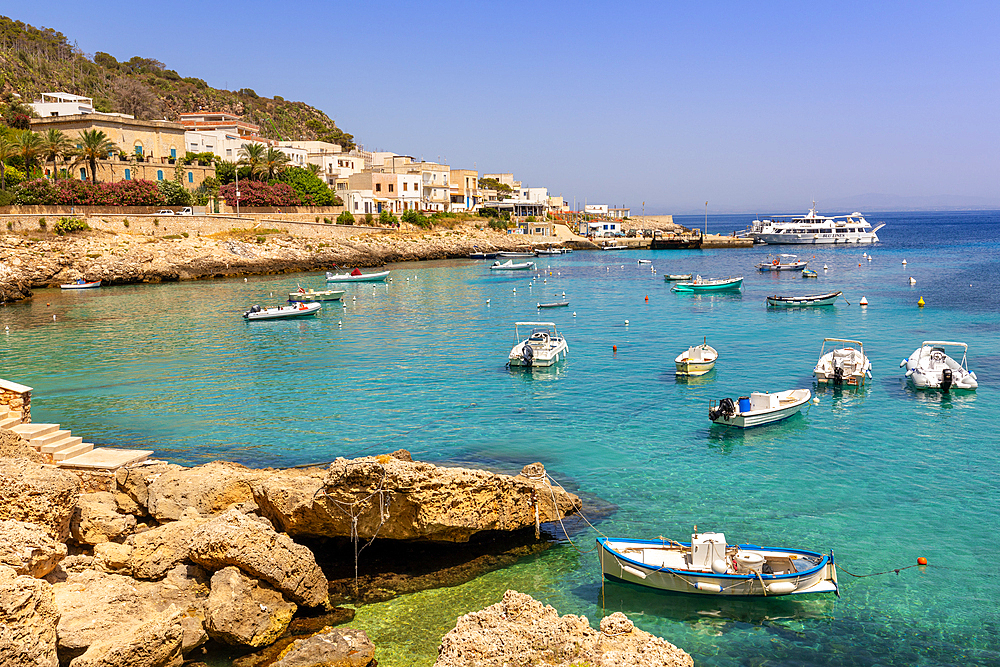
{"x":66,"y":104}
{"x":599,"y":228}
{"x":536,"y":195}
{"x":330,"y":158}
{"x":596,"y":209}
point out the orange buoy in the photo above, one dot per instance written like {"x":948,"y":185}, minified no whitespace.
{"x":921,"y":561}
{"x":647,"y":299}
{"x":614,"y":348}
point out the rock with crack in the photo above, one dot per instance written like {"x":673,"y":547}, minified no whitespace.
{"x":234,"y":538}
{"x":520,"y":631}
{"x":132,"y":486}
{"x":96,"y":519}
{"x":210,"y":489}
{"x":245,"y":612}
{"x":28,"y":618}
{"x":158,"y":550}
{"x":95,"y":606}
{"x":39,"y":494}
{"x":334,"y":647}
{"x":156,"y":642}
{"x":393,"y":498}
{"x":29,"y":549}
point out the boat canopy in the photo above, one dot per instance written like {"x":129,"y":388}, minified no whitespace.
{"x":943,"y":343}
{"x":534,"y":324}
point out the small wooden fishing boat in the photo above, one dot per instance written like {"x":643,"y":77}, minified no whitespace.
{"x":783,"y":262}
{"x":482,"y":255}
{"x":929,"y":367}
{"x":670,"y":277}
{"x":809,"y":273}
{"x":511,"y":266}
{"x":282,"y":312}
{"x":700,"y":284}
{"x":356,"y":276}
{"x":645,"y":261}
{"x":543,"y":347}
{"x":758,"y":408}
{"x":519,"y":253}
{"x":80,"y":283}
{"x":615,"y":246}
{"x":845,"y":363}
{"x":697,"y":360}
{"x":548,"y":251}
{"x":827,"y":299}
{"x":314,"y":295}
{"x":709,"y":566}
{"x":554,"y":304}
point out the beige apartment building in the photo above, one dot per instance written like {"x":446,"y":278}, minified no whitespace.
{"x":464,"y":190}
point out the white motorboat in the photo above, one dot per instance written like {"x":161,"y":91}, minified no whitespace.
{"x":698,"y":360}
{"x":709,"y":566}
{"x":783,"y":262}
{"x":930,"y":367}
{"x":827,"y":299}
{"x":543,"y":347}
{"x":645,"y":261}
{"x":511,"y":266}
{"x":356,"y":276}
{"x":758,"y":408}
{"x":519,"y":253}
{"x":677,"y":276}
{"x":309,"y":295}
{"x":80,"y":283}
{"x":814,"y":228}
{"x":845,"y":363}
{"x":282,"y":312}
{"x":548,"y":251}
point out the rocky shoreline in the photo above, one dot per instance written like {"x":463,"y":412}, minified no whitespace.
{"x":152,"y":565}
{"x":38,"y":260}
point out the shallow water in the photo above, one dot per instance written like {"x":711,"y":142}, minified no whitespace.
{"x":881,"y":475}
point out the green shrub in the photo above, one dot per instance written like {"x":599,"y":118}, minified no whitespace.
{"x":260,"y":239}
{"x":184,"y":234}
{"x":156,"y":222}
{"x":125,"y":222}
{"x":41,"y":223}
{"x":346,"y":218}
{"x":531,"y":218}
{"x":172,"y":236}
{"x":499,"y":223}
{"x":10,"y":225}
{"x":327,"y":221}
{"x":67,"y":225}
{"x":386,"y":217}
{"x":414,"y":218}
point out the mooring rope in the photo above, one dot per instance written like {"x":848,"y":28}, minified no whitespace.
{"x":875,"y":574}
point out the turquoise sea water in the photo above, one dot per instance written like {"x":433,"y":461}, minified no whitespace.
{"x":882,"y":475}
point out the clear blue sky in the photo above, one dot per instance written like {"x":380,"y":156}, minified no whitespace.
{"x":749,"y":105}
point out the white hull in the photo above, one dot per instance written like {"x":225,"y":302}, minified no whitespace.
{"x":781,"y":405}
{"x":666,"y":566}
{"x":812,"y":239}
{"x":849,"y":359}
{"x":363,"y":278}
{"x":312,"y":295}
{"x":812,"y":228}
{"x":697,"y":360}
{"x":283,"y":312}
{"x":93,"y":285}
{"x":926,"y":367}
{"x":511,"y":266}
{"x":544,"y":347}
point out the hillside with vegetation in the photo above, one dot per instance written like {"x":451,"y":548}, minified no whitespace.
{"x":41,"y":60}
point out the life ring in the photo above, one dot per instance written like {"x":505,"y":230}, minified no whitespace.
{"x":775,"y":262}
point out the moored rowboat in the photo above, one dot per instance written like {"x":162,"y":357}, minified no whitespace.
{"x":356,"y":277}
{"x":697,"y":360}
{"x":282,"y":312}
{"x":511,"y":266}
{"x":313,"y":295}
{"x":758,"y":408}
{"x":812,"y":300}
{"x":81,"y":284}
{"x":700,"y":284}
{"x":677,"y":276}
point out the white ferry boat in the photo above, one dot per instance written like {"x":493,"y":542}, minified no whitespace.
{"x":814,"y":228}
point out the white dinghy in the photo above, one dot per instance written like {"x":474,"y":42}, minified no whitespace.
{"x":543,"y":347}
{"x":698,"y":360}
{"x":356,"y":276}
{"x":846,"y":363}
{"x":758,"y":408}
{"x":929,"y":367}
{"x":709,"y":566}
{"x":511,"y":266}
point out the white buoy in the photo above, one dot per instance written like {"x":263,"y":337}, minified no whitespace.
{"x":869,"y":258}
{"x":913,"y":281}
{"x":244,"y":280}
{"x":825,"y":267}
{"x":487,"y":302}
{"x":863,"y":302}
{"x":904,"y":262}
{"x":515,"y":290}
{"x":626,"y":322}
{"x":340,"y":323}
{"x":816,"y":401}
{"x":574,"y":313}
{"x":354,"y":298}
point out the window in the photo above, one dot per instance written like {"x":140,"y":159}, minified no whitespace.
{"x":159,"y":174}
{"x":404,"y":186}
{"x":128,"y":174}
{"x":173,"y":152}
{"x":390,"y":187}
{"x":378,"y":187}
{"x":229,"y":152}
{"x":138,"y":149}
{"x":190,"y":177}
{"x":83,"y":174}
{"x":355,"y":206}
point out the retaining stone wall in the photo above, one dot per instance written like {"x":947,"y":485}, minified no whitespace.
{"x":16,"y":397}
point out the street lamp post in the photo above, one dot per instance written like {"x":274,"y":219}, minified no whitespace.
{"x":706,"y":218}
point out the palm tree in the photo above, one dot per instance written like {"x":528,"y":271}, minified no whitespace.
{"x":28,"y":145}
{"x":273,"y":163}
{"x":55,"y":144}
{"x":7,"y":151}
{"x":94,"y":146}
{"x":314,"y":169}
{"x":251,"y":155}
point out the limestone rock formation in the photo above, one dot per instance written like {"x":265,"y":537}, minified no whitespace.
{"x":132,"y":486}
{"x":13,"y":446}
{"x":233,"y":538}
{"x":97,"y":520}
{"x":28,"y":549}
{"x":28,"y":617}
{"x":519,"y":631}
{"x":156,"y":642}
{"x":158,"y":550}
{"x":210,"y":489}
{"x":405,"y":500}
{"x":96,"y":606}
{"x":334,"y":647}
{"x":111,"y":556}
{"x":39,"y":494}
{"x":244,"y":612}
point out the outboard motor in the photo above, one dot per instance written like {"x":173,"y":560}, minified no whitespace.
{"x":838,"y":375}
{"x":527,"y":354}
{"x":947,"y":379}
{"x":726,"y":409}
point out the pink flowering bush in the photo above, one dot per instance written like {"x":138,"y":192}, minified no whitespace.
{"x":83,"y":193}
{"x":258,"y":193}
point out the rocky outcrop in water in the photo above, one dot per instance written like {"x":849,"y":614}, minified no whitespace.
{"x":334,"y":647}
{"x":520,"y":631}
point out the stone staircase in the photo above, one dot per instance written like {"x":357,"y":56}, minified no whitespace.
{"x":66,"y":450}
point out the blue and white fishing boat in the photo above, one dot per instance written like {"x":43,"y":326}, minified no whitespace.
{"x":709,"y":566}
{"x":80,"y":283}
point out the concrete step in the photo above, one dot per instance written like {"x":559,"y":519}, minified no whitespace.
{"x":9,"y":422}
{"x":30,"y":430}
{"x":39,"y":441}
{"x":59,"y":445}
{"x":71,"y":451}
{"x":106,"y":458}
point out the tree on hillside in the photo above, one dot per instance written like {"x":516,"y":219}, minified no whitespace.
{"x":16,"y":113}
{"x":55,"y":144}
{"x":29,"y":145}
{"x":272,"y":163}
{"x":95,"y":146}
{"x":7,"y":151}
{"x":251,"y":155}
{"x":133,"y":97}
{"x":105,"y":60}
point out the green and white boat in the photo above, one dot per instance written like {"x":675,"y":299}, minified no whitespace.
{"x":700,"y":284}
